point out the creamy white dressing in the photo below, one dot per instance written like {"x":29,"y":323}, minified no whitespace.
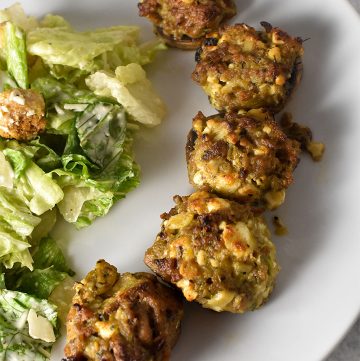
{"x":21,"y":321}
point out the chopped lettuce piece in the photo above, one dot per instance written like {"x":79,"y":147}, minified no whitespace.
{"x":47,"y":223}
{"x":6,"y":172}
{"x":101,"y":129}
{"x":16,"y":58}
{"x":62,"y":296}
{"x":16,"y":214}
{"x":13,"y":248}
{"x":131,"y":88}
{"x":16,"y":15}
{"x":55,"y":92}
{"x":15,"y":330}
{"x":84,"y":199}
{"x":49,"y":254}
{"x":32,"y":183}
{"x":72,"y":55}
{"x":54,"y":21}
{"x":78,"y":49}
{"x":2,"y":280}
{"x":6,"y":81}
{"x":40,"y":282}
{"x":50,"y":269}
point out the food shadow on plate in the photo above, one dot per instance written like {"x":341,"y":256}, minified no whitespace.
{"x":201,"y":330}
{"x":242,"y":5}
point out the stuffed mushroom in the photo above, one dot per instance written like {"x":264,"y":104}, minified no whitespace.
{"x":242,"y":68}
{"x":184,"y":23}
{"x":245,"y":157}
{"x":120,"y":317}
{"x":217,"y":251}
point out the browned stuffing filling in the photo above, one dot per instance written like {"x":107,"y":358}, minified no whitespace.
{"x":245,"y":157}
{"x":122,"y":317}
{"x":183,"y":23}
{"x":242,"y":68}
{"x":303,"y":135}
{"x":218,"y":252}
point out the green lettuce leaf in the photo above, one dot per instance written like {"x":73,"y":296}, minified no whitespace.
{"x":50,"y":269}
{"x":17,"y":215}
{"x":101,"y":129}
{"x":17,"y":327}
{"x":72,"y":55}
{"x":16,"y":57}
{"x":6,"y":81}
{"x":55,"y":92}
{"x":49,"y":254}
{"x":2,"y":280}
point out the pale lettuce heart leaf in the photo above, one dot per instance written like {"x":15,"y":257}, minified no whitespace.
{"x":59,"y":46}
{"x":13,"y":248}
{"x":15,"y":13}
{"x":6,"y":173}
{"x":54,"y":21}
{"x":32,"y":183}
{"x":131,"y":88}
{"x":47,"y":223}
{"x":15,"y":212}
{"x":84,"y":199}
{"x":15,"y":333}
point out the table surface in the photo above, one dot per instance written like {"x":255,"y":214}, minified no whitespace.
{"x":349,"y":348}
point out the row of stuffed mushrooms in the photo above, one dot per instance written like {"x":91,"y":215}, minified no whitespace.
{"x":214,"y":246}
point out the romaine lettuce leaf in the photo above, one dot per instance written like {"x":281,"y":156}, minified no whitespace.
{"x":131,"y":88}
{"x":54,"y":21}
{"x":84,"y":199}
{"x":32,"y":183}
{"x":13,"y":248}
{"x":55,"y":92}
{"x":16,"y":57}
{"x":6,"y":172}
{"x":50,"y":269}
{"x":6,"y":81}
{"x":78,"y":49}
{"x":18,"y":330}
{"x":2,"y":280}
{"x":101,"y":129}
{"x":16,"y":214}
{"x":47,"y":223}
{"x":16,"y":15}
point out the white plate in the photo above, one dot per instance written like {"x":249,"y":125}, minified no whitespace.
{"x":318,"y":291}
